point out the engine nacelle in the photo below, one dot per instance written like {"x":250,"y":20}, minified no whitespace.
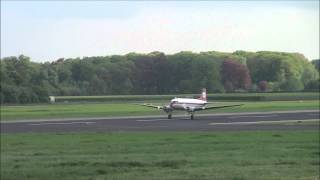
{"x":189,"y":109}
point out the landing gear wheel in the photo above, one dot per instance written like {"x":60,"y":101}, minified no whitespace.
{"x":169,"y":116}
{"x":191,"y":117}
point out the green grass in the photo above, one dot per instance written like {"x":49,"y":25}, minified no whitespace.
{"x":139,"y":156}
{"x":48,"y":111}
{"x":212,"y":97}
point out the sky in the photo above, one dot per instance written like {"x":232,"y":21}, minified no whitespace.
{"x":49,"y":30}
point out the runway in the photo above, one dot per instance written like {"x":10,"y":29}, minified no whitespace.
{"x":297,"y":120}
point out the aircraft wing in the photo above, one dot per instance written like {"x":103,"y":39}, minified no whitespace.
{"x":152,"y":106}
{"x":217,"y":107}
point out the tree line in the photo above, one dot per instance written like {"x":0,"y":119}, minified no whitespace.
{"x":25,"y":81}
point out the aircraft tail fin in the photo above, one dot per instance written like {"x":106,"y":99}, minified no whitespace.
{"x":203,"y":95}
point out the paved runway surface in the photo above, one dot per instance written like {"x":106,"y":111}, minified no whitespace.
{"x":226,"y":122}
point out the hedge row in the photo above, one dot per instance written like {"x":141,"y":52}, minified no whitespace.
{"x":211,"y":97}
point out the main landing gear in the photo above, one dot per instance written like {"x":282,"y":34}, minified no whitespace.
{"x":191,"y":116}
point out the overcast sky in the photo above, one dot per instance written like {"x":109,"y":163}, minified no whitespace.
{"x":48,"y":30}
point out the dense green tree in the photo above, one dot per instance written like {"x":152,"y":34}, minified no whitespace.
{"x":180,"y":64}
{"x":206,"y":73}
{"x":24,"y":81}
{"x":316,"y":63}
{"x":285,"y":71}
{"x":313,"y":86}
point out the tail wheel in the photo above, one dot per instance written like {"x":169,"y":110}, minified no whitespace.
{"x":191,"y":117}
{"x":169,"y":116}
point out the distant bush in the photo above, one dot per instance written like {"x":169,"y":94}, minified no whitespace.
{"x":263,"y":86}
{"x":211,"y":97}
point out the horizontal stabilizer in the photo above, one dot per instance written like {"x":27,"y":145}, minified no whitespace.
{"x":152,"y":106}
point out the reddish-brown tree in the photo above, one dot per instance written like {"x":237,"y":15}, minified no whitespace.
{"x":263,"y":86}
{"x":235,"y":75}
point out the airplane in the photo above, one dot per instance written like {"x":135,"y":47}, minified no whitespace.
{"x":189,"y":105}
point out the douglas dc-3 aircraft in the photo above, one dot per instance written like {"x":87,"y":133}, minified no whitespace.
{"x":188,"y":104}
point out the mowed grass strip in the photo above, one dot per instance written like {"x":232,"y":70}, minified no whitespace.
{"x":212,"y":97}
{"x":49,"y":111}
{"x":136,"y":156}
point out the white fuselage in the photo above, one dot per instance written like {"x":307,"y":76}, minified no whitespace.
{"x":187,"y":104}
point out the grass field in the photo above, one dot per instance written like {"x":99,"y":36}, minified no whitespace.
{"x":139,"y":156}
{"x":130,"y":109}
{"x":211,"y":97}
